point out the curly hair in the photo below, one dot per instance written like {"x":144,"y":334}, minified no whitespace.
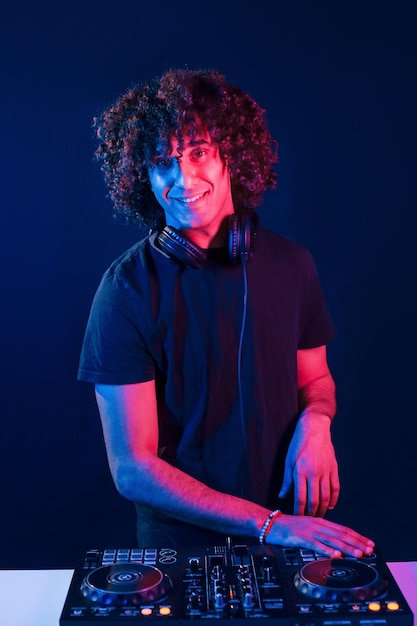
{"x":182,"y":101}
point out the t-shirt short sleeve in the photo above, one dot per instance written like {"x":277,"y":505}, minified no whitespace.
{"x":113,"y":350}
{"x":317,"y":327}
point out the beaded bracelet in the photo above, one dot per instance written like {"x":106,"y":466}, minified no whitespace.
{"x":267,"y":525}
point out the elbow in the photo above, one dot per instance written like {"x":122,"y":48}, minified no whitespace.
{"x":129,"y":482}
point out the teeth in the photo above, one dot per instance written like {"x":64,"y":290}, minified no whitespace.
{"x":193,"y":199}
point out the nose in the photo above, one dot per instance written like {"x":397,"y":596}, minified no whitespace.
{"x":184,"y":173}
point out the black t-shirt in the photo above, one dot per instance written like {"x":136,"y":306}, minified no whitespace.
{"x":224,"y":420}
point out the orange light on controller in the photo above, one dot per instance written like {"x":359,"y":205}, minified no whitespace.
{"x":165,"y":610}
{"x":374,"y":606}
{"x":393,"y":606}
{"x":146,"y":612}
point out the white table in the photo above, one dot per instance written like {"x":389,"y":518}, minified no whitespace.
{"x":405,"y":573}
{"x":36,"y":597}
{"x":33,"y":597}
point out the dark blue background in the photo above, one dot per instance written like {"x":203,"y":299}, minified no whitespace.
{"x":339,"y":88}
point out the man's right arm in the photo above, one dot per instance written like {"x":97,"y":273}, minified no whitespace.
{"x":130,"y":426}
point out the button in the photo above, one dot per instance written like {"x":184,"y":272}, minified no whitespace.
{"x":374,"y":606}
{"x":150,"y":555}
{"x":137,"y":554}
{"x":393,"y":606}
{"x":146,"y":612}
{"x":109,"y":556}
{"x":168,"y":552}
{"x":168,"y":559}
{"x":165,"y":610}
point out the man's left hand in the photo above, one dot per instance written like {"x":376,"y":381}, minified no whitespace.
{"x":311,"y":467}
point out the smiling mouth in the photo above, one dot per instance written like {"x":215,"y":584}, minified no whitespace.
{"x":190,"y":200}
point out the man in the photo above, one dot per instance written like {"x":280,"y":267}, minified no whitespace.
{"x":207,"y":340}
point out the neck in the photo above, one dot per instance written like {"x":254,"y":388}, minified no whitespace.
{"x":213,"y":236}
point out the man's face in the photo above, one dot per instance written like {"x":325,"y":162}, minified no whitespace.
{"x":193,"y":187}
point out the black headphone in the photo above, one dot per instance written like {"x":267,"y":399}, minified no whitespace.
{"x":241,"y":242}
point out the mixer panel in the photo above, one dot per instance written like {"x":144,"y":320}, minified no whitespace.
{"x":239,"y":582}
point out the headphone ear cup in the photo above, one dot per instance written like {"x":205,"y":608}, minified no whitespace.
{"x":241,"y":243}
{"x":179,"y":247}
{"x":241,"y":238}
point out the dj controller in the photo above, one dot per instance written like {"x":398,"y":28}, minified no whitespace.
{"x":287,"y":586}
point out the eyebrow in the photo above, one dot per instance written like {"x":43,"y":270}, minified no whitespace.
{"x":199,"y":142}
{"x":160,"y":151}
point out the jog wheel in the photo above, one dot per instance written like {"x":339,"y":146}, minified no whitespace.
{"x":129,"y":583}
{"x":339,"y":580}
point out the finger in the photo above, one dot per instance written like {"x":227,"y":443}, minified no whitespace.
{"x":345,"y":549}
{"x":323,"y":549}
{"x":300,"y":496}
{"x":286,"y":484}
{"x":348,"y":541}
{"x":285,"y":489}
{"x":324,"y":500}
{"x":334,"y":490}
{"x":313,"y":498}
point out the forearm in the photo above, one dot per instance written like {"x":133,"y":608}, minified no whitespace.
{"x":318,"y":397}
{"x":158,"y":484}
{"x":161,"y":485}
{"x":130,"y":427}
{"x":310,"y":465}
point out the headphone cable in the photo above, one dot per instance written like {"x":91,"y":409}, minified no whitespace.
{"x":239,"y":362}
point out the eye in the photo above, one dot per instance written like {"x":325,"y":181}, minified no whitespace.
{"x":199,"y":153}
{"x":161,"y":163}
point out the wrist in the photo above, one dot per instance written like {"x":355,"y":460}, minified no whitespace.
{"x":266,"y":527}
{"x":312,"y":415}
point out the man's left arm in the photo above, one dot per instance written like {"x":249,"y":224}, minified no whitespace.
{"x":310,"y":465}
